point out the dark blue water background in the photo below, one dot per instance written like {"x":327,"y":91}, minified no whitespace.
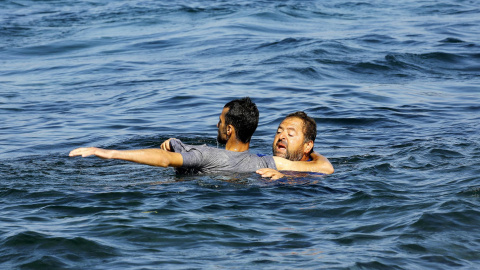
{"x":393,"y":85}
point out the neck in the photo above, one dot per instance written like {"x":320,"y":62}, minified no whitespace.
{"x":305,"y":158}
{"x":237,"y":146}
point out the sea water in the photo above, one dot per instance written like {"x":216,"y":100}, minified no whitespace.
{"x":394,"y":87}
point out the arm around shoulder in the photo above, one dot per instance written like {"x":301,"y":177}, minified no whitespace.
{"x":319,"y":164}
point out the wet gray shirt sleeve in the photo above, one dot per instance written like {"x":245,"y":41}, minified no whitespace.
{"x":205,"y":159}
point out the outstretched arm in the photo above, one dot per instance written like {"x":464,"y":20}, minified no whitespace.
{"x":319,"y":163}
{"x":152,"y":157}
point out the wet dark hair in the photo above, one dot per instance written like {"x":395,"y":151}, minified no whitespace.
{"x":243,"y":116}
{"x":309,"y":125}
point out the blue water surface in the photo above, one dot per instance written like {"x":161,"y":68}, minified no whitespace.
{"x":393,"y":85}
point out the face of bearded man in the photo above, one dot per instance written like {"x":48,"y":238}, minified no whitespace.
{"x":222,"y":137}
{"x":289,"y":141}
{"x":281,"y":149}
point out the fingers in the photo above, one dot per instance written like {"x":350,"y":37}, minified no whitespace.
{"x":271,"y":173}
{"x":166,"y":145}
{"x":277,"y":176}
{"x":84,"y":152}
{"x":262,"y":171}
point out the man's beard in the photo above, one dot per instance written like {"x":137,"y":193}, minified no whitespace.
{"x":290,"y":155}
{"x":221,"y":140}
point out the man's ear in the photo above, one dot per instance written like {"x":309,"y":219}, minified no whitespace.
{"x":307,"y":147}
{"x":230,"y":130}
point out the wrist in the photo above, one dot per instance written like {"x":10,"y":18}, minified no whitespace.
{"x":113,"y":154}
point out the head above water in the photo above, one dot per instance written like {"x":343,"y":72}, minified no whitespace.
{"x":295,"y":137}
{"x":241,"y":114}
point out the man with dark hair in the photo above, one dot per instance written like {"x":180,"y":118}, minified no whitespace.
{"x":295,"y":137}
{"x":240,"y":115}
{"x":204,"y":159}
{"x":294,"y":141}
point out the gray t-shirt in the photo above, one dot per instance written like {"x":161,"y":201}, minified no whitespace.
{"x":205,"y":159}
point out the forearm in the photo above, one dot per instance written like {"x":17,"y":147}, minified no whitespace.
{"x":319,"y":163}
{"x":322,"y":165}
{"x":152,"y":157}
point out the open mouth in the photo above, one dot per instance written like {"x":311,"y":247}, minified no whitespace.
{"x":281,"y":146}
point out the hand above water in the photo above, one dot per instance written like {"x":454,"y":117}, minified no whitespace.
{"x":91,"y":151}
{"x":166,"y":145}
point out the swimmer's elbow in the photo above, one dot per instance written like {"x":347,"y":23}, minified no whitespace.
{"x":172,"y":159}
{"x":162,"y":162}
{"x":329,"y":168}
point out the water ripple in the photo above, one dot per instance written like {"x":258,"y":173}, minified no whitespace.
{"x":392,"y":87}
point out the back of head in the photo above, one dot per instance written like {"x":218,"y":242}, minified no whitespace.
{"x":243,"y":116}
{"x":309,"y":125}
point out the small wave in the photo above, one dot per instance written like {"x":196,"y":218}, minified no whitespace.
{"x":446,"y":9}
{"x":39,"y":244}
{"x":376,"y":38}
{"x":354,"y":5}
{"x":435,"y":63}
{"x":427,"y":58}
{"x":159,"y":44}
{"x":445,"y":153}
{"x":452,"y":40}
{"x":60,"y":48}
{"x":287,"y":42}
{"x":366,"y":66}
{"x":353,"y":121}
{"x":441,"y":221}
